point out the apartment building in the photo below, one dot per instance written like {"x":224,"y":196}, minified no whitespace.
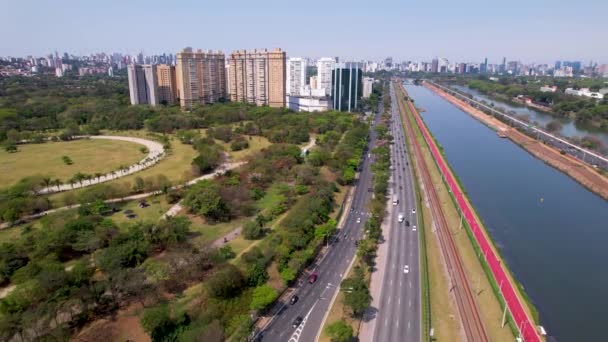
{"x":167,"y":84}
{"x":296,"y":75}
{"x":258,"y":76}
{"x":200,"y":77}
{"x":143,"y":85}
{"x":325,"y":67}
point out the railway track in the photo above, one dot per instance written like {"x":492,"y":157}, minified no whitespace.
{"x":465,"y":301}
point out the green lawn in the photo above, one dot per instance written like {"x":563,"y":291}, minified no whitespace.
{"x":158,"y":206}
{"x":205,"y":233}
{"x":176,"y":166}
{"x":88,"y":156}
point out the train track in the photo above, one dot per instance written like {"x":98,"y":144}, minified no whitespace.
{"x":465,"y":301}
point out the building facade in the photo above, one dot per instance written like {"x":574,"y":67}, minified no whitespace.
{"x":143,"y":87}
{"x":346,"y":84}
{"x":258,"y":77}
{"x":296,"y":75}
{"x":308,"y":104}
{"x":167,"y":84}
{"x":325,"y":67}
{"x":368,"y":84}
{"x":200,"y":77}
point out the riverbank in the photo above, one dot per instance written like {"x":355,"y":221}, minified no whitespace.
{"x":503,"y":285}
{"x":586,"y":175}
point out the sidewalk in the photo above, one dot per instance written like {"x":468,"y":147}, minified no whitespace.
{"x":366,"y":334}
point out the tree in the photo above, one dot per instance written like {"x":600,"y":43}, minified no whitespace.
{"x":156,"y":321}
{"x":263,"y":296}
{"x":225,"y":283}
{"x":204,"y":199}
{"x":356,"y":293}
{"x":252,"y":230}
{"x":10,"y":147}
{"x":339,"y":331}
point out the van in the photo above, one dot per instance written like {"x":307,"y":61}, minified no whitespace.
{"x":400,"y":218}
{"x":395,"y":200}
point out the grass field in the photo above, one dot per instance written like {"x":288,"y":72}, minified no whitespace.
{"x":176,"y":166}
{"x":205,"y":233}
{"x":255,"y":145}
{"x":88,"y":156}
{"x":157,"y":207}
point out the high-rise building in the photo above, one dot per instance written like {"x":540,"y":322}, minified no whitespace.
{"x":143,"y":84}
{"x":435,"y":65}
{"x":258,"y":77}
{"x":313,"y":82}
{"x":111,"y":72}
{"x":558,"y":65}
{"x":368,"y":84}
{"x":325,"y":67}
{"x":296,"y":75}
{"x":483,"y":68}
{"x":347,"y":86}
{"x":167,"y":84}
{"x":200,"y":77}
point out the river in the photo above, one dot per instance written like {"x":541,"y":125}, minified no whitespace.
{"x":569,"y":129}
{"x":551,"y":231}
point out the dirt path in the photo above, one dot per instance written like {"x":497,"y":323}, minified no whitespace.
{"x":581,"y":172}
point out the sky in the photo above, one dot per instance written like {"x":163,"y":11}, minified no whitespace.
{"x":540,"y":31}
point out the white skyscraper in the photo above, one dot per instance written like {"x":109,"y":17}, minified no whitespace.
{"x":325,"y":67}
{"x":296,"y":75}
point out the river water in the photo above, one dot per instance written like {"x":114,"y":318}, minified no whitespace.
{"x":552,"y":232}
{"x":569,"y":127}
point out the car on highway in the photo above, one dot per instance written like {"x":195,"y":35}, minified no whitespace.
{"x":313,"y":278}
{"x":297,"y":321}
{"x":407,"y":223}
{"x":414,"y":228}
{"x":293,"y":300}
{"x":406,"y":269}
{"x":400,"y":218}
{"x":358,"y":220}
{"x":414,"y":211}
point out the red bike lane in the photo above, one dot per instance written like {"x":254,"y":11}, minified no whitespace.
{"x":524,"y":323}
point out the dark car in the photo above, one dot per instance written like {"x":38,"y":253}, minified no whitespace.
{"x":407,"y":223}
{"x":293,"y":300}
{"x":297,"y":322}
{"x":357,"y":243}
{"x":312,"y":278}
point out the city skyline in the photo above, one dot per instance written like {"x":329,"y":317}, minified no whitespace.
{"x":546,"y":31}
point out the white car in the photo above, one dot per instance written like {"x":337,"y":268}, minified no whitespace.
{"x":414,"y":211}
{"x":406,"y":269}
{"x":400,"y":218}
{"x":414,"y":228}
{"x":358,"y":220}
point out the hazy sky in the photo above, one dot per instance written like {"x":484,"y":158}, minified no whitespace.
{"x":463,"y":30}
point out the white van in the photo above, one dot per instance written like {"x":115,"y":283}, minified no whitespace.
{"x":400,"y":218}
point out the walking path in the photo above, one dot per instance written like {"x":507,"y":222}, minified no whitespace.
{"x":172,"y":211}
{"x":156,"y":152}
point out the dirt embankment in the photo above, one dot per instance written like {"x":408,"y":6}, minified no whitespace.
{"x":581,"y":172}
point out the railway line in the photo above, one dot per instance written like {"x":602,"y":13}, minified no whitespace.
{"x":467,"y":306}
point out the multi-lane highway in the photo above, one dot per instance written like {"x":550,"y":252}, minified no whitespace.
{"x":398,"y":317}
{"x":314,"y":299}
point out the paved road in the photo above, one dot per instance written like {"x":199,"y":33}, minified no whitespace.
{"x":399,"y":314}
{"x":314,"y":299}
